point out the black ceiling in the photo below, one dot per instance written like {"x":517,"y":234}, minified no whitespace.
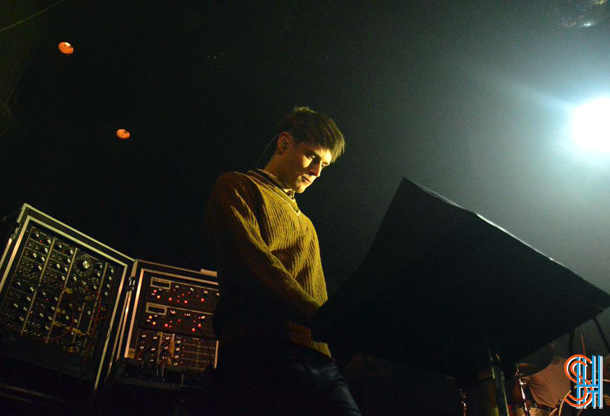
{"x":470,"y":99}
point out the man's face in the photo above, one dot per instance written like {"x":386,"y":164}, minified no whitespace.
{"x":302,"y":163}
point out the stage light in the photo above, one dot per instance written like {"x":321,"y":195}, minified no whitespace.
{"x":580,"y":13}
{"x":123,"y":134}
{"x":65,"y":48}
{"x":591,"y":126}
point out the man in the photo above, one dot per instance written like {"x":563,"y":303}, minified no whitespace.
{"x":272,"y":283}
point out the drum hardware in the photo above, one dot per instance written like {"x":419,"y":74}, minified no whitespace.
{"x":519,"y":374}
{"x":559,"y":410}
{"x":463,"y":397}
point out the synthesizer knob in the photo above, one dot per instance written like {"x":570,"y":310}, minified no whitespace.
{"x":68,"y":261}
{"x":71,"y":251}
{"x":34,"y":255}
{"x":31,"y":288}
{"x":57,"y":266}
{"x":24,"y":309}
{"x":84,"y":265}
{"x":43,"y":258}
{"x":16,"y":306}
{"x":29,"y":299}
{"x":60,"y":246}
{"x":49,"y":241}
{"x":36,"y":234}
{"x":41,"y":315}
{"x":46,"y":250}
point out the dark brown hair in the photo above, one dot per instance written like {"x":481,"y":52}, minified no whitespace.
{"x":305,"y":125}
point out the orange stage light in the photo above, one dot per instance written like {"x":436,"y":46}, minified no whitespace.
{"x":66,"y":48}
{"x":122,"y":134}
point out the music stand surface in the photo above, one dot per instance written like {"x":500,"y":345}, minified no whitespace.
{"x":441,"y":283}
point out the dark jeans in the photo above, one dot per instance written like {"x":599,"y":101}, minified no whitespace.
{"x":281,"y":380}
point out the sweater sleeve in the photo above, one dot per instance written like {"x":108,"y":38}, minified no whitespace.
{"x":235,"y":233}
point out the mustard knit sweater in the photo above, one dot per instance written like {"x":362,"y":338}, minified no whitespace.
{"x":269,"y":266}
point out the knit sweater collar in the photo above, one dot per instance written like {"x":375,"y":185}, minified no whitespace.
{"x":277,"y":181}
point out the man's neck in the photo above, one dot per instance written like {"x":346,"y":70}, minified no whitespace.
{"x":278,"y":179}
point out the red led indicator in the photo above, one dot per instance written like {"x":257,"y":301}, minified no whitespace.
{"x":193,"y":329}
{"x":154,"y":323}
{"x":158,"y":296}
{"x":166,"y":325}
{"x":202,"y":299}
{"x":186,"y":301}
{"x":170,"y":299}
{"x":198,"y":325}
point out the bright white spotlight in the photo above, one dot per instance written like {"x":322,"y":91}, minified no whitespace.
{"x":591,"y":126}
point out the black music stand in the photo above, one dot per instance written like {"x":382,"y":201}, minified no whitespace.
{"x":445,"y":290}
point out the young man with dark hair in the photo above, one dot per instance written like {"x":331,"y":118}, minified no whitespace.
{"x":272,"y":282}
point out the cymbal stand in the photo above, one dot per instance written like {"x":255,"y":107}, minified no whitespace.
{"x":522,"y":384}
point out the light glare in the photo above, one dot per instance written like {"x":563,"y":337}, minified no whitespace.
{"x":591,"y":126}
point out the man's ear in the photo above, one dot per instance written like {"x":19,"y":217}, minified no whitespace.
{"x":283,"y":142}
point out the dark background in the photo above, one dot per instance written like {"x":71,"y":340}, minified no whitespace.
{"x":471,"y":99}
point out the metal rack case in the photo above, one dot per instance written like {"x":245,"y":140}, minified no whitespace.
{"x":168,"y":335}
{"x":62,"y":303}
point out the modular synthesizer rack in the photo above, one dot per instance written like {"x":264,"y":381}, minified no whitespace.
{"x":168,"y":331}
{"x":62,"y":298}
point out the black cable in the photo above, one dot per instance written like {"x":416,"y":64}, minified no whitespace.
{"x":265,"y":151}
{"x":601,"y":333}
{"x":32,"y":16}
{"x":212,"y":356}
